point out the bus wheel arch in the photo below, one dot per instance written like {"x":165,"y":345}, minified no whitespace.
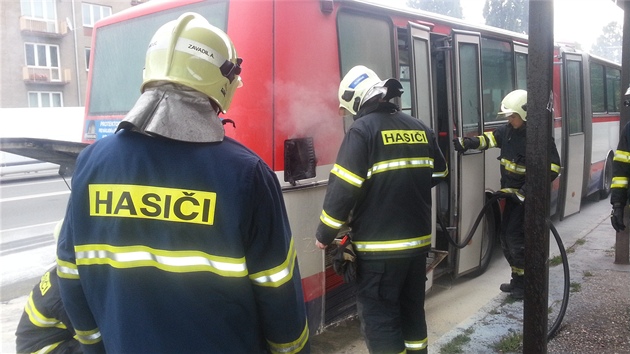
{"x":491,"y":227}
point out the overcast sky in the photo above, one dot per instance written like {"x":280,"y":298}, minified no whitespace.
{"x":574,"y":20}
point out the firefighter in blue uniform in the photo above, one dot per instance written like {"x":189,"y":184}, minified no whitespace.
{"x":511,"y":139}
{"x":380,"y":187}
{"x":44,"y":326}
{"x":176,"y":238}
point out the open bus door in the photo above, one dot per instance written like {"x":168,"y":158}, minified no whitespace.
{"x":573,"y":143}
{"x":470,"y":166}
{"x":422,"y":94}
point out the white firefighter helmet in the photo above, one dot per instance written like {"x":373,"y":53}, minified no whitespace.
{"x":515,"y":102}
{"x":190,"y":51}
{"x":361,"y":84}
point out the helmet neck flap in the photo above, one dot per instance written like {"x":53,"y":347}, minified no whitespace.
{"x":175,"y":112}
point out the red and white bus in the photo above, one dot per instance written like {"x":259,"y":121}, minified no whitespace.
{"x":454,"y":74}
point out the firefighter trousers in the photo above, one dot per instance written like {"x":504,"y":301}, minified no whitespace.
{"x":513,"y":236}
{"x":390,"y":304}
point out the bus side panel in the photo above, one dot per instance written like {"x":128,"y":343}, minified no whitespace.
{"x":250,"y":28}
{"x":306,"y":79}
{"x":307,"y":75}
{"x":302,"y":207}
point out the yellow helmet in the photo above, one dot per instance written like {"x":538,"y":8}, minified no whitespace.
{"x":361,"y":84}
{"x":515,"y":102}
{"x":190,"y":51}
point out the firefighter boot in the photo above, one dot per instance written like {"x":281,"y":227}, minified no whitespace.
{"x":507,"y":287}
{"x":518,"y":288}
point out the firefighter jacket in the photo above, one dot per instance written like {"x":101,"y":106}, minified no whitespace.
{"x":44,"y":326}
{"x":621,"y":169}
{"x":385,"y":168}
{"x":178,"y":247}
{"x":512,"y":143}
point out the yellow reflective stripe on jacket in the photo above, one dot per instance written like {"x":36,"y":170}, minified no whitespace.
{"x":279,"y":275}
{"x":396,"y":245}
{"x":330,"y":221}
{"x":483,"y":143}
{"x":37,"y":318}
{"x":619,"y":182}
{"x":170,"y":261}
{"x":492,"y":142}
{"x":555,"y":168}
{"x":622,"y":156}
{"x":88,"y":337}
{"x":67,"y":270}
{"x":518,"y":271}
{"x":49,"y":348}
{"x":416,"y":344}
{"x":513,"y":167}
{"x":292,"y":347}
{"x":397,"y":164}
{"x":515,"y":191}
{"x":347,"y":176}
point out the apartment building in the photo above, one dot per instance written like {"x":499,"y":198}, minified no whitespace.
{"x":45,"y":49}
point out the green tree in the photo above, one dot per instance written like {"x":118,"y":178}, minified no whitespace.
{"x":511,"y":15}
{"x":608,"y":44}
{"x":444,"y":7}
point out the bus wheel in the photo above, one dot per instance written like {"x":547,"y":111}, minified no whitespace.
{"x":604,"y":192}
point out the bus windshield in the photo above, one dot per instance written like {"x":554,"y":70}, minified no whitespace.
{"x":119,"y":56}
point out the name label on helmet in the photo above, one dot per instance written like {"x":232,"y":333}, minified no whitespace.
{"x":149,"y":202}
{"x":404,"y":137}
{"x":357,"y":81}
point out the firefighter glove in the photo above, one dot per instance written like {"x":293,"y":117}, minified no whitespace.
{"x":461,"y":144}
{"x":344,"y":260}
{"x":616,"y":218}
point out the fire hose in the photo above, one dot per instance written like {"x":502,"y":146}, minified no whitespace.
{"x":563,"y":254}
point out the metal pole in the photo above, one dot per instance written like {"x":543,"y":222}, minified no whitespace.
{"x":539,"y":128}
{"x":622,"y":240}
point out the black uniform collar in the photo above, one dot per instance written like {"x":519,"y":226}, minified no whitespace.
{"x":377,"y":106}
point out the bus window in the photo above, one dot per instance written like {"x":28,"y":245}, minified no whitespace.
{"x":118,"y":81}
{"x":521,"y":71}
{"x":613,"y":89}
{"x":598,"y":93}
{"x":405,"y":80}
{"x":365,"y":41}
{"x":497,"y":65}
{"x":574,"y":97}
{"x":469,"y":74}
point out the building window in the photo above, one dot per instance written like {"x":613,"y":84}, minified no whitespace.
{"x":45,"y":99}
{"x":39,"y":9}
{"x":43,"y":60}
{"x":87,"y":58}
{"x":93,"y":13}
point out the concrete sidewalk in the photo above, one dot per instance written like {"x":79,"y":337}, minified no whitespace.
{"x":598,"y":313}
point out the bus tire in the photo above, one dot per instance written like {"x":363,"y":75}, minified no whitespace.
{"x":604,"y":192}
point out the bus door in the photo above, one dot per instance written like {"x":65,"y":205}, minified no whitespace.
{"x":573,"y":146}
{"x":422,"y":94}
{"x":469,"y":170}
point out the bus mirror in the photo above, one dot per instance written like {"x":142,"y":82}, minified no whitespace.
{"x":299,"y":159}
